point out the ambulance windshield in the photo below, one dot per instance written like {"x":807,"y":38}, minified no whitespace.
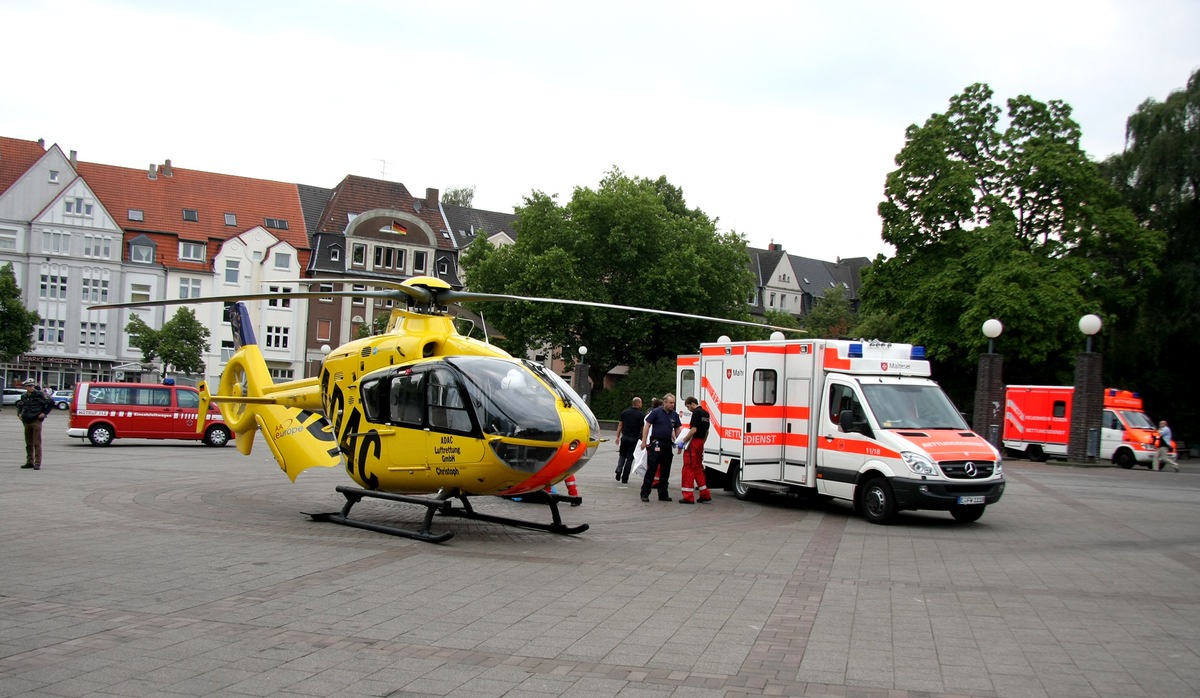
{"x":1137,"y":420}
{"x":901,"y":406}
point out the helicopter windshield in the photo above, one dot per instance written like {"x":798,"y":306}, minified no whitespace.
{"x":508,"y":399}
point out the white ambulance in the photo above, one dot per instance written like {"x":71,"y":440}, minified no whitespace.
{"x":853,"y":420}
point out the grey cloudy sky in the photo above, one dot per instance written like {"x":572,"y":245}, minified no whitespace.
{"x":780,"y":118}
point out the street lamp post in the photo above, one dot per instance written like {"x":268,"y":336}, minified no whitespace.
{"x":1087,"y":404}
{"x":580,"y":382}
{"x":989,"y":387}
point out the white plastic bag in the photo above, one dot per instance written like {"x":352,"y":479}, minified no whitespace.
{"x":639,"y":461}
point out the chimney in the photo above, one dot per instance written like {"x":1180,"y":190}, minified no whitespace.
{"x":74,"y":159}
{"x":42,"y":143}
{"x":166,"y":169}
{"x":775,"y":247}
{"x":431,"y":197}
{"x":153,"y":173}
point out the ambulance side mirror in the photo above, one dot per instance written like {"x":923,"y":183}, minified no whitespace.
{"x":846,"y":421}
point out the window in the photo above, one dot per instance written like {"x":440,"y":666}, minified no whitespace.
{"x":277,"y":223}
{"x":52,"y":331}
{"x":95,"y":290}
{"x":447,"y":408}
{"x":136,"y":214}
{"x":1060,"y":409}
{"x":772,"y":305}
{"x":358,"y":300}
{"x":77,"y":207}
{"x":283,"y":260}
{"x":93,"y":334}
{"x":189,"y":288}
{"x":191,"y":252}
{"x":752,"y":299}
{"x":282,"y":374}
{"x":141,"y":254}
{"x":99,"y":246}
{"x":324,"y":330}
{"x":53,"y":287}
{"x":233,"y":271}
{"x":326,"y":288}
{"x":55,"y":242}
{"x":230,"y":219}
{"x":687,"y":382}
{"x":227,"y":350}
{"x":419,"y":262}
{"x":763,"y":388}
{"x":358,"y":255}
{"x":277,"y":337}
{"x":191,"y":214}
{"x":53,"y":177}
{"x":279,"y":302}
{"x":335,"y":254}
{"x":443,"y":267}
{"x":8,"y":239}
{"x":139,"y":293}
{"x":187,"y":400}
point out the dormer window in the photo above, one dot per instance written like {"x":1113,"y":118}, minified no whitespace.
{"x":231,"y":219}
{"x":277,"y":223}
{"x":191,"y":252}
{"x":335,"y":254}
{"x":141,"y":254}
{"x":191,"y":214}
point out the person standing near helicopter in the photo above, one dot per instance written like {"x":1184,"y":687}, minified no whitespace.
{"x":693,"y":485}
{"x":629,"y":432}
{"x":658,"y":438}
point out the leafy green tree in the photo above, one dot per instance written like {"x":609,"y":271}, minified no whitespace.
{"x":459,"y":196}
{"x":377,"y":325}
{"x":180,"y":343}
{"x":1011,"y":221}
{"x":1159,"y":175}
{"x":831,"y":315}
{"x":16,"y":321}
{"x":646,"y":381}
{"x":632,"y":241}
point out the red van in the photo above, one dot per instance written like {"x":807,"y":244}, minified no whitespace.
{"x":102,"y":412}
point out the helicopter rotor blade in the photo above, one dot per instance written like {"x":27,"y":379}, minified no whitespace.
{"x":247,"y":297}
{"x":452,"y":296}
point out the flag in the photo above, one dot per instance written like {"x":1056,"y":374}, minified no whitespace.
{"x":398,"y":229}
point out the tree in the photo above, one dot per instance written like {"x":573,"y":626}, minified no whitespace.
{"x":1012,"y":222}
{"x":459,"y":196}
{"x":831,"y":315}
{"x":632,"y":241}
{"x":180,"y":343}
{"x":1159,"y":175}
{"x":16,"y":322}
{"x":377,"y":325}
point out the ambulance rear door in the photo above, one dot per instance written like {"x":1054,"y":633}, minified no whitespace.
{"x":762,"y":436}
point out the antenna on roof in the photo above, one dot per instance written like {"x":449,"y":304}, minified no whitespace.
{"x":382,"y":168}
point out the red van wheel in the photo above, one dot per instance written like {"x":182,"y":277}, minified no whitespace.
{"x":100,"y":435}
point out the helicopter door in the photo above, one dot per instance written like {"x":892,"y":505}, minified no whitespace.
{"x":453,"y":438}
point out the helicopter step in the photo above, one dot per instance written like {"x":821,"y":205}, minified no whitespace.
{"x":443,"y":504}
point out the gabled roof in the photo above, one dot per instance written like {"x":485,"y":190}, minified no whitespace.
{"x":813,"y":276}
{"x":763,"y":263}
{"x":16,"y":157}
{"x":466,"y":223}
{"x":848,"y":271}
{"x":355,"y":195}
{"x":163,"y":199}
{"x":313,"y":201}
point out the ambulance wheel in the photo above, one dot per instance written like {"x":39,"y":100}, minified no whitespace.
{"x":100,"y":435}
{"x":877,"y":501}
{"x":967,"y":514}
{"x":1124,"y":458}
{"x":216,"y":436}
{"x":1036,"y":453}
{"x":740,"y":490}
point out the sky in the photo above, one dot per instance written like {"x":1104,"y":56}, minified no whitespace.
{"x":780,"y":119}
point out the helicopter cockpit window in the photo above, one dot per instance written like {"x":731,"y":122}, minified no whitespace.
{"x":508,"y":398}
{"x":406,"y":402}
{"x":447,"y":410}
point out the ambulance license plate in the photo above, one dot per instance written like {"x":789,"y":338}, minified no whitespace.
{"x":971,"y":499}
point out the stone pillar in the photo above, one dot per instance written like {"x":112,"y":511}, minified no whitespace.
{"x":1087,"y":406}
{"x":989,"y":398}
{"x":581,"y":384}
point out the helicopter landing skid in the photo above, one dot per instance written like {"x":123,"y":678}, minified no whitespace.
{"x":443,"y":504}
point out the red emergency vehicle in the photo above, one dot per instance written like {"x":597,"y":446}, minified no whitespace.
{"x":101,"y":412}
{"x":1037,"y":424}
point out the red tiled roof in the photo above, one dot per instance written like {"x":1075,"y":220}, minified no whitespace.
{"x":17,"y":156}
{"x":356,"y":194}
{"x":163,"y":200}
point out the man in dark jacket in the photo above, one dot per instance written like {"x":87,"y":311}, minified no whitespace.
{"x":32,"y":408}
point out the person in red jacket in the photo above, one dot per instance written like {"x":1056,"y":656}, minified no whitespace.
{"x":692,"y":442}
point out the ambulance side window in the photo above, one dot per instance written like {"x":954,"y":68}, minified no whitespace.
{"x":1111,"y":421}
{"x":763,"y":386}
{"x":841,"y":398}
{"x":687,"y":382}
{"x":1060,"y":409}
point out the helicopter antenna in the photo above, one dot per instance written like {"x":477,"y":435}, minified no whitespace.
{"x":483,"y":321}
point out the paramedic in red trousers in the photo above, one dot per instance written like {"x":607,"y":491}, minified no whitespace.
{"x":658,"y":437}
{"x":692,"y":442}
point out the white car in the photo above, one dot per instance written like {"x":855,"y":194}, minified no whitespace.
{"x":11,"y":395}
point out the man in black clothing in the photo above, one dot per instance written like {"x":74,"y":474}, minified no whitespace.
{"x":658,"y":437}
{"x":32,"y":408}
{"x":629,"y":431}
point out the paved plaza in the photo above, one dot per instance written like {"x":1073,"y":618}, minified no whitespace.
{"x":146,"y":569}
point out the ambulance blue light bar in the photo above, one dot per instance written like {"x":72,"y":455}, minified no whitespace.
{"x":855,"y":351}
{"x":918,"y":354}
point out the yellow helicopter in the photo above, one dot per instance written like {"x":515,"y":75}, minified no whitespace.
{"x":420,"y":409}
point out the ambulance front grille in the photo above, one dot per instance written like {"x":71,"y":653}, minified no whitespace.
{"x":959,"y":470}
